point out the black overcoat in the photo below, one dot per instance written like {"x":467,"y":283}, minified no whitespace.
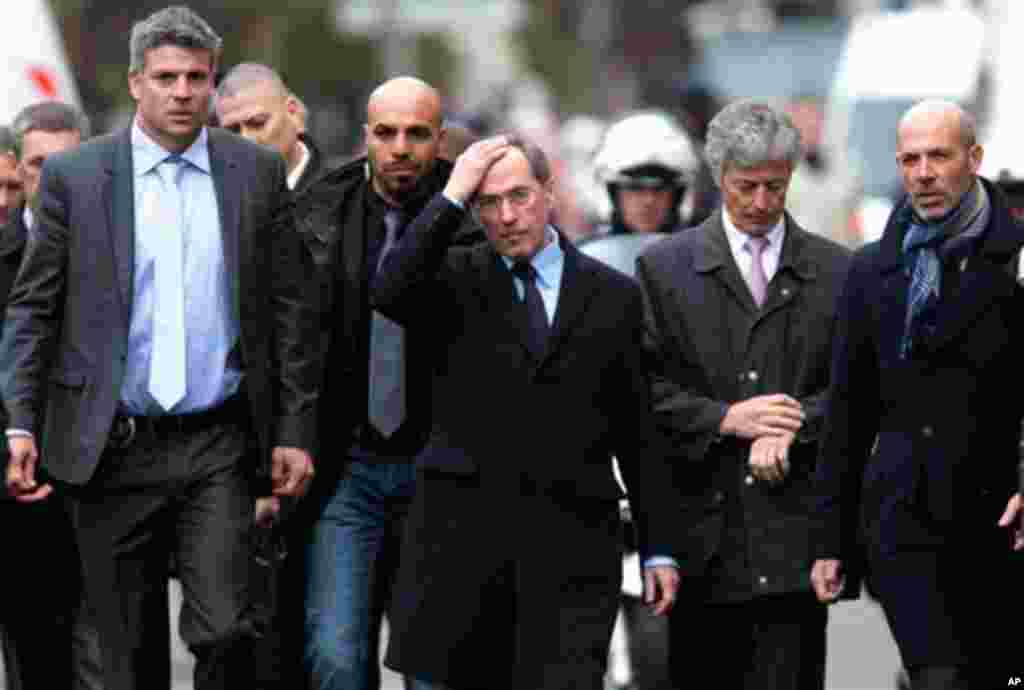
{"x":920,"y":455}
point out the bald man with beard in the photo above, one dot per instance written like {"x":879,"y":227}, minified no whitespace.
{"x":377,"y":403}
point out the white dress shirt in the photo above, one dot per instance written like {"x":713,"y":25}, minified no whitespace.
{"x":294,"y":175}
{"x":769,"y":256}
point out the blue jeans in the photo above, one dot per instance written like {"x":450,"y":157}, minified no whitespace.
{"x":352,"y":558}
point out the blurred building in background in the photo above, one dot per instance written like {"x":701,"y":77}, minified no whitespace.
{"x":537,"y":65}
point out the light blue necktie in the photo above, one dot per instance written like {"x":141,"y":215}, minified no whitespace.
{"x":167,"y":362}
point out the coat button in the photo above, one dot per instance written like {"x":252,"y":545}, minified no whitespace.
{"x":762,"y":580}
{"x":927,"y":431}
{"x":718,"y":498}
{"x":752,"y":375}
{"x":785,"y":292}
{"x":749,"y":480}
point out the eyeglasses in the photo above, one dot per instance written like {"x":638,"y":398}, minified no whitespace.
{"x":489,"y":204}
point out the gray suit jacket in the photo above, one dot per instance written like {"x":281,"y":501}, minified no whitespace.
{"x":66,"y":330}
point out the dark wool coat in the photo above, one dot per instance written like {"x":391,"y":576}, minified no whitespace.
{"x":711,"y":346}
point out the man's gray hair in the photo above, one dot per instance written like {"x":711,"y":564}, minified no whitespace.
{"x":248,"y":74}
{"x":747,"y":134}
{"x":176,"y":26}
{"x":48,"y":116}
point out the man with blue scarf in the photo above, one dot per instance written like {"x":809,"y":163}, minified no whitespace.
{"x":919,"y":484}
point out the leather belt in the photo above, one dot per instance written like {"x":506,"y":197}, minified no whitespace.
{"x":127,"y":428}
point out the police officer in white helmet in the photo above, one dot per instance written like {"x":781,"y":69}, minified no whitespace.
{"x":648,"y":163}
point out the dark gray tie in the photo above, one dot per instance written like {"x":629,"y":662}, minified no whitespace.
{"x":386,"y":407}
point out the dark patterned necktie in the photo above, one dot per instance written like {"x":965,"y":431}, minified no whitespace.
{"x":536,"y":316}
{"x":386,"y":405}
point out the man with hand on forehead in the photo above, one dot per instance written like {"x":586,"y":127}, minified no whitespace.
{"x":511,"y":558}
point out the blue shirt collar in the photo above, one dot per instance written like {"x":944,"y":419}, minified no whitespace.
{"x":147,"y":154}
{"x":548,"y":261}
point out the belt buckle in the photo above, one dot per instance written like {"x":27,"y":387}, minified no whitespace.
{"x":123,"y":432}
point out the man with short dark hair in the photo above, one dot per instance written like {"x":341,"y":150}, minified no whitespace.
{"x":40,"y":130}
{"x":919,"y":482}
{"x":158,"y":344}
{"x":253,"y":101}
{"x":512,"y":553}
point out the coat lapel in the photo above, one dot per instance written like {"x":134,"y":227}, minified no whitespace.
{"x":577,"y":287}
{"x":226,"y":184}
{"x":715,"y":257}
{"x":117,"y":189}
{"x":352,"y":246}
{"x":501,"y":299}
{"x":795,"y":269}
{"x":982,"y":285}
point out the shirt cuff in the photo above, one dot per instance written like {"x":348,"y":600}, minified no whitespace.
{"x":655,"y":561}
{"x":24,"y":433}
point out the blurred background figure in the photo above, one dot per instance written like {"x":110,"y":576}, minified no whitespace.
{"x":579,"y":139}
{"x":817,"y":199}
{"x":12,"y":192}
{"x":41,"y":130}
{"x":48,"y":639}
{"x":458,"y":136}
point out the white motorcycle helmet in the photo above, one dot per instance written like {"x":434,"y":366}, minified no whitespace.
{"x":648,"y":149}
{"x":646,"y":139}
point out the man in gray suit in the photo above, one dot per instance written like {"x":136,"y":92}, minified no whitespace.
{"x":156,"y":343}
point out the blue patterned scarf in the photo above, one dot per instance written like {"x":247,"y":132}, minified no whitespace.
{"x":925,"y":246}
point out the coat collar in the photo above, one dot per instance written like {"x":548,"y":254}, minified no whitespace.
{"x":712,"y":249}
{"x":985,"y":278}
{"x":1000,"y":240}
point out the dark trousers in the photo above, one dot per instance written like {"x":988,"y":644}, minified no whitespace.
{"x":39,"y":594}
{"x":939,"y":678}
{"x":505,"y":586}
{"x":947,"y":611}
{"x":769,"y":643}
{"x":169,"y":491}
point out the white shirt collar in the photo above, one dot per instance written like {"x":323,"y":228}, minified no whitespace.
{"x":738,"y":239}
{"x":147,"y":153}
{"x":294,"y":175}
{"x":28,"y":217}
